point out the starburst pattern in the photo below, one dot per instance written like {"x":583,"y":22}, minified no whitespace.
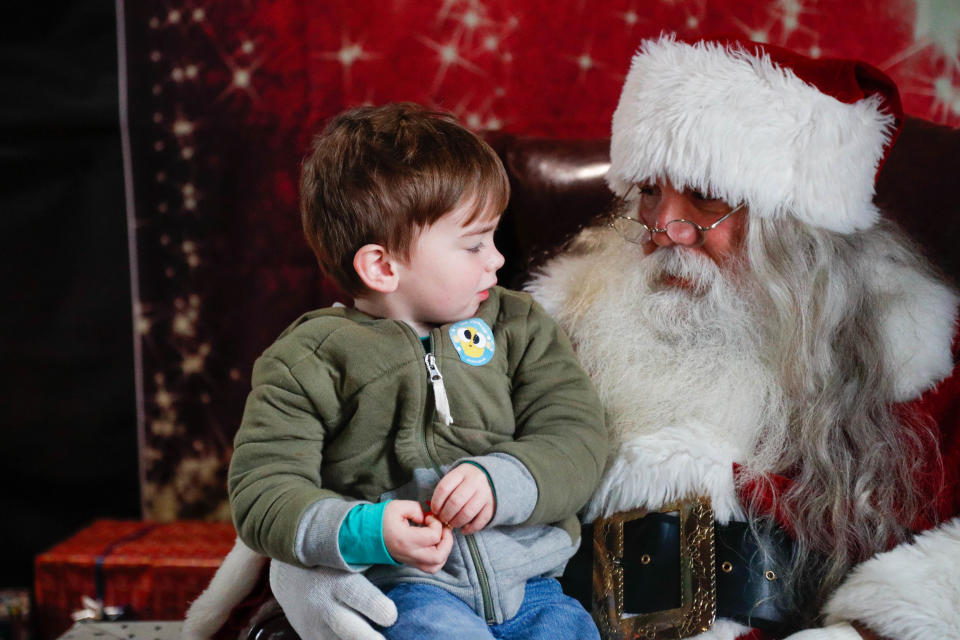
{"x":350,"y":52}
{"x":224,"y":99}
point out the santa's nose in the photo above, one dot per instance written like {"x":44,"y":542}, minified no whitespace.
{"x":672,"y":211}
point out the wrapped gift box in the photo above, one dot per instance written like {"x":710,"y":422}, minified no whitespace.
{"x":153,"y":571}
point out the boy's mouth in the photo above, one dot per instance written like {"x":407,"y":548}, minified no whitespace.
{"x":484,"y":294}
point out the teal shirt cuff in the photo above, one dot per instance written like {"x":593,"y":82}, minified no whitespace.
{"x":361,"y":536}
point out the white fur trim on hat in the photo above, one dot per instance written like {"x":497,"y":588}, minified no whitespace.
{"x":911,"y":592}
{"x":729,"y":121}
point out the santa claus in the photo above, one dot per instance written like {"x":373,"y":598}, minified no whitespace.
{"x":774,"y":358}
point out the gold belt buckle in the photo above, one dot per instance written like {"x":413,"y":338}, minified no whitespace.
{"x":698,"y":592}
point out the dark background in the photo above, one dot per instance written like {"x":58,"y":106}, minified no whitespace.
{"x":67,"y":404}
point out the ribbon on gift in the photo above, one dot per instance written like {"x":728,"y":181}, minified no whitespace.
{"x":93,"y":608}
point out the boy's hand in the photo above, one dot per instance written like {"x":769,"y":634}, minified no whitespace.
{"x":425,"y":547}
{"x":463,"y":498}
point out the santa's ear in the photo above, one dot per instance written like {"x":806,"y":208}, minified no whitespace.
{"x":376,"y":268}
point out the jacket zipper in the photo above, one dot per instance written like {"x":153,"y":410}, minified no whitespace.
{"x":439,"y":391}
{"x":442,"y":405}
{"x":482,"y":578}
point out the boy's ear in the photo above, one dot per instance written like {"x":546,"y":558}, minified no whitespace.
{"x":376,"y":268}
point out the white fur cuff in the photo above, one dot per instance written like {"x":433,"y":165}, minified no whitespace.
{"x":911,"y":592}
{"x":232,"y":582}
{"x":840,"y":631}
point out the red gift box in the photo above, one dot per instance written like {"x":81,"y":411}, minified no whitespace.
{"x":154,"y":570}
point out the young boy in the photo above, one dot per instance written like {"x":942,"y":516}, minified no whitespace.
{"x":437,"y":389}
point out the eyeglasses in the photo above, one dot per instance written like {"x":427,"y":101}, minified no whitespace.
{"x":683,"y":232}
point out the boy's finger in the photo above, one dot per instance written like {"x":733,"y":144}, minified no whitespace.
{"x":433,"y":523}
{"x":468,"y":511}
{"x":433,"y":556}
{"x":424,"y":537}
{"x":454,"y":504}
{"x":428,"y":556}
{"x":481,"y":520}
{"x":446,"y":542}
{"x":433,"y":559}
{"x":444,"y":488}
{"x":410,"y":510}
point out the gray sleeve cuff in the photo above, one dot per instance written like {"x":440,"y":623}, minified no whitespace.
{"x":515,"y":488}
{"x":318,"y":535}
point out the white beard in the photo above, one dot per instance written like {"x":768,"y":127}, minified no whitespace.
{"x":691,"y":383}
{"x":646,"y":346}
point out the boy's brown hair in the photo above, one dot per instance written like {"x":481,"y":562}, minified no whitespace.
{"x":377,"y":175}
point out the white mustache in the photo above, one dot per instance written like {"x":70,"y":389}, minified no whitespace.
{"x":692,"y":266}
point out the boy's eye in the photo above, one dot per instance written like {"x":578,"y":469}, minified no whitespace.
{"x":475,"y":248}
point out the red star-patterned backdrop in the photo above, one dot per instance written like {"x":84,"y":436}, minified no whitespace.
{"x":222,"y":98}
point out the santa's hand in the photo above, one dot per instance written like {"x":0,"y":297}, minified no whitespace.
{"x":841,"y":631}
{"x":329,"y":604}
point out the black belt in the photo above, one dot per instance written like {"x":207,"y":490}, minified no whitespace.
{"x":748,"y":588}
{"x":645,"y":567}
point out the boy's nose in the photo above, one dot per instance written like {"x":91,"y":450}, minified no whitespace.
{"x":496,"y":260}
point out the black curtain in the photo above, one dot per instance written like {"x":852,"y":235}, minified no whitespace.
{"x":67,"y":407}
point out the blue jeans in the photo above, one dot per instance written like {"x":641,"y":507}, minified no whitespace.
{"x":425,"y":611}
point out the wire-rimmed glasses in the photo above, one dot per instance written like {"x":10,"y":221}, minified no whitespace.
{"x":682,"y":232}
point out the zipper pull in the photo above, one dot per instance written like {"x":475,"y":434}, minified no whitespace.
{"x":439,"y":391}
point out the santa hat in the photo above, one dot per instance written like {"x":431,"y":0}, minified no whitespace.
{"x":755,"y":123}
